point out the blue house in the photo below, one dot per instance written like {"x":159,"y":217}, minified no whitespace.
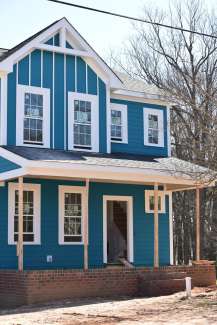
{"x":86,"y":171}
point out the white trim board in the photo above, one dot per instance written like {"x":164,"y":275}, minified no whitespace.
{"x":130,"y":239}
{"x":36,"y":188}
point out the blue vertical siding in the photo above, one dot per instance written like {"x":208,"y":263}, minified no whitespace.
{"x":11,"y":113}
{"x":47,"y":82}
{"x":91,"y":81}
{"x":57,"y":40}
{"x":36,"y":68}
{"x":70,"y":85}
{"x":71,"y":256}
{"x":59,"y":101}
{"x":23,"y":71}
{"x":7,"y":165}
{"x":50,"y":41}
{"x":81,"y":75}
{"x":136,"y":131}
{"x":102,"y":117}
{"x":68,"y":46}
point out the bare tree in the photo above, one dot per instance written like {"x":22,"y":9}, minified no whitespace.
{"x":184,"y":67}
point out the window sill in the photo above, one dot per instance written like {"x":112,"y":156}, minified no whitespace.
{"x":26,"y":243}
{"x":154,"y":145}
{"x":122,"y":142}
{"x":70,"y":243}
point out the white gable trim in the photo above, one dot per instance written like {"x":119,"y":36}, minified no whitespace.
{"x":7,"y":63}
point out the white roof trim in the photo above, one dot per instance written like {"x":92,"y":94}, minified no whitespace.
{"x":7,"y":63}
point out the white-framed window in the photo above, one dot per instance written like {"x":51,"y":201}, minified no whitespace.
{"x":31,"y":213}
{"x":71,"y":214}
{"x":119,"y":123}
{"x":149,"y":201}
{"x":33,"y":116}
{"x":83,"y":122}
{"x":153,"y":127}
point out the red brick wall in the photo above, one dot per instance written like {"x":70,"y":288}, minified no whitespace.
{"x":18,"y":288}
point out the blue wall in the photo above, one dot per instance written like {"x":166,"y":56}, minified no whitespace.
{"x":136,"y":131}
{"x":71,"y":256}
{"x":45,"y":69}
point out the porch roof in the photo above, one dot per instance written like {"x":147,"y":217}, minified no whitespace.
{"x":113,"y":166}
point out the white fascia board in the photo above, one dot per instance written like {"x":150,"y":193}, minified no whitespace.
{"x":13,"y":174}
{"x":104,"y":172}
{"x":13,"y":157}
{"x":7,"y":64}
{"x":139,"y":97}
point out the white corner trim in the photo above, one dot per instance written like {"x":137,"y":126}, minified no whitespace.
{"x":62,"y":189}
{"x":108,"y":117}
{"x":149,"y":193}
{"x":168,"y":132}
{"x":159,"y":113}
{"x":21,"y":90}
{"x":171,"y":226}
{"x":3,"y":111}
{"x":124,"y":116}
{"x":13,"y":157}
{"x":36,"y":188}
{"x":130,"y":239}
{"x":94,"y":119}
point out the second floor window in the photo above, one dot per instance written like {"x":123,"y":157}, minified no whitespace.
{"x":33,"y":118}
{"x":153,"y":127}
{"x":119,"y":127}
{"x":82,"y":124}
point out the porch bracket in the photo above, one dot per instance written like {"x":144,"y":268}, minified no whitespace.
{"x":156,"y":227}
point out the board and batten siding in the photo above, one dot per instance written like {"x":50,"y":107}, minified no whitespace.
{"x":61,"y":74}
{"x":135,"y":143}
{"x":71,"y":256}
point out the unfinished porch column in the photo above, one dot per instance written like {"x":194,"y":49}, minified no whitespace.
{"x":86,"y":218}
{"x":197,"y":212}
{"x":20,"y":225}
{"x":156,"y":227}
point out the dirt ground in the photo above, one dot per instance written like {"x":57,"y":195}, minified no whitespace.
{"x":201,"y":309}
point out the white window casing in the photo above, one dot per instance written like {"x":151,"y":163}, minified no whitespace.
{"x":67,"y":190}
{"x":20,"y":105}
{"x":161,"y":196}
{"x":124,"y":122}
{"x":159,"y":114}
{"x":36,"y":189}
{"x":94,"y":125}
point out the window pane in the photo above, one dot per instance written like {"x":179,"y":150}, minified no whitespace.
{"x":33,"y":114}
{"x":151,"y":202}
{"x":82,"y":123}
{"x":116,"y":117}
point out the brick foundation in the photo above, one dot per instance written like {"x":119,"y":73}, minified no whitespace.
{"x":20,"y":288}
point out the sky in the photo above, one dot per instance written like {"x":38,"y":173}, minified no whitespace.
{"x":20,"y":19}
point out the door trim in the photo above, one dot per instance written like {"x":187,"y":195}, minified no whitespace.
{"x":130,"y":248}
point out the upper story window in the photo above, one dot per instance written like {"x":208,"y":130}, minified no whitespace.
{"x":153,"y":127}
{"x":31,"y":213}
{"x":119,"y":129}
{"x":33,"y":116}
{"x":71,"y":205}
{"x":83,"y":122}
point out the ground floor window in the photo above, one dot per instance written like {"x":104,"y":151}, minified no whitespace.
{"x":149,"y":202}
{"x":71,"y":212}
{"x":31,"y":213}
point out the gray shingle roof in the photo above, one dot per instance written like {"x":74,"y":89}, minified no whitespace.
{"x":173,"y":166}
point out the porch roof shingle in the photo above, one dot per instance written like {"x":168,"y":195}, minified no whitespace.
{"x":168,"y":165}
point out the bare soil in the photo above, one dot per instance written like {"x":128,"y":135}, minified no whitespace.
{"x":200,"y":309}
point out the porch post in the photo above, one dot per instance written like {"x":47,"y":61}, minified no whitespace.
{"x":197,"y":212}
{"x":20,"y":225}
{"x":86,"y":218}
{"x":156,"y":227}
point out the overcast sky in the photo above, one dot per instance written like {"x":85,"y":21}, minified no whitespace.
{"x":20,"y":19}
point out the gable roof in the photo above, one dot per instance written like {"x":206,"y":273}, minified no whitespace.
{"x":8,"y":55}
